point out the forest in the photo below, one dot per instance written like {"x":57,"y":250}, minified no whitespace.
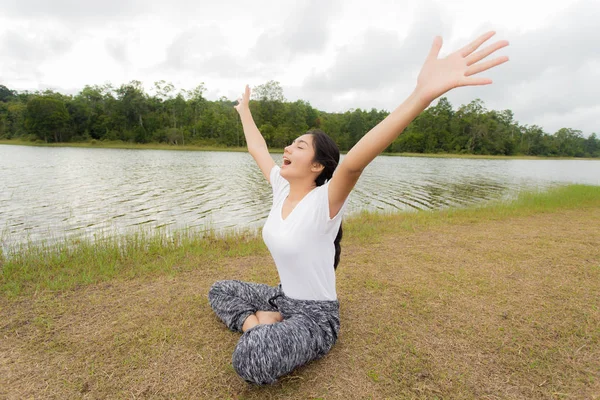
{"x":167,"y":115}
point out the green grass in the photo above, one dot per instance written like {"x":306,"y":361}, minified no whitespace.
{"x":368,"y":226}
{"x":72,"y":263}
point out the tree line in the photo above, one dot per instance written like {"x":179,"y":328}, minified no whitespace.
{"x":130,"y":114}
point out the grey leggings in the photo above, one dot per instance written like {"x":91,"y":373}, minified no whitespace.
{"x":266,"y":352}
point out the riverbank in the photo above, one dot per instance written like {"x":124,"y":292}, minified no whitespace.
{"x":495,"y":302}
{"x":163,"y":146}
{"x":68,"y":264}
{"x":95,"y":144}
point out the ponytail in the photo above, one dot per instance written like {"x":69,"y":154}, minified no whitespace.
{"x":328,"y":155}
{"x":338,"y":248}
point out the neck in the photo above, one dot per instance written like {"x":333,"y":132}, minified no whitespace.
{"x":299,"y":189}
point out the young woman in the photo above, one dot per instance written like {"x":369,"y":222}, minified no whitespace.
{"x":298,"y":321}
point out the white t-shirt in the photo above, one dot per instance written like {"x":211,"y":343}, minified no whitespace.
{"x":302,"y":244}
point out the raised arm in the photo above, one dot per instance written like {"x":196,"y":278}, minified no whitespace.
{"x":437,"y":76}
{"x":257,"y":147}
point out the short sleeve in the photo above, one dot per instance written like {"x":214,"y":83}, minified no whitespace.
{"x":323,"y":202}
{"x":278,"y":183}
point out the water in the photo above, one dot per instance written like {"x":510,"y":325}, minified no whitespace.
{"x":49,"y":193}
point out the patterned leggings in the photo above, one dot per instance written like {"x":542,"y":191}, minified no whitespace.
{"x":266,"y":352}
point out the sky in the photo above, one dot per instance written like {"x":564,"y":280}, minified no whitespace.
{"x":336,"y":54}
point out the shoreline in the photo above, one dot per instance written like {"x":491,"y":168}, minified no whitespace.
{"x":71,"y":263}
{"x":162,"y":146}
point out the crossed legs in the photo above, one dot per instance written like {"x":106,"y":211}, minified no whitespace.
{"x":275,"y":340}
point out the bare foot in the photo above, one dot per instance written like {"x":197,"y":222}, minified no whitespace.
{"x":250,"y":322}
{"x":268,"y":317}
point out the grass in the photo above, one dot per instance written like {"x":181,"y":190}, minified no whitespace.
{"x":72,"y":263}
{"x":487,"y":303}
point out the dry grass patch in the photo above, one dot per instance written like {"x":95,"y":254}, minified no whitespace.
{"x":507,"y":309}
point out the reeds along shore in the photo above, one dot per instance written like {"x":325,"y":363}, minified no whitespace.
{"x":68,"y":264}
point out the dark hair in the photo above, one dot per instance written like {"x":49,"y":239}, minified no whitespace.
{"x":328,"y":155}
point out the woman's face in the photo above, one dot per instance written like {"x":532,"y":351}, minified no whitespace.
{"x":298,"y":159}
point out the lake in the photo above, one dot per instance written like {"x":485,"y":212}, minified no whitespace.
{"x":49,"y":193}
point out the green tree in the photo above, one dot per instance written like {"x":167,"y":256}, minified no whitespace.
{"x":47,"y":118}
{"x":132,"y":108}
{"x":442,"y":118}
{"x":4,"y":132}
{"x":6,"y":94}
{"x":128,"y":113}
{"x":533,"y":141}
{"x":569,"y":142}
{"x":197,"y":104}
{"x":269,"y":91}
{"x":592,"y":146}
{"x":333,"y":124}
{"x":96,"y":106}
{"x":14,"y":122}
{"x":356,"y":125}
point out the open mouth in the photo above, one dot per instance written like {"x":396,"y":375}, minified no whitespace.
{"x":286,"y":161}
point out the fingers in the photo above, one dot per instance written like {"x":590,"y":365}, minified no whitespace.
{"x":483,"y":53}
{"x":244,"y":100}
{"x":435,"y":48}
{"x":471,"y":47}
{"x":245,"y":96}
{"x":476,"y":81}
{"x":483,"y":66}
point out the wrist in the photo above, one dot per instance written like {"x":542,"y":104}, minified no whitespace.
{"x":243,"y":111}
{"x":421,"y":97}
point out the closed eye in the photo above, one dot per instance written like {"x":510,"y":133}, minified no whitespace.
{"x":300,"y":143}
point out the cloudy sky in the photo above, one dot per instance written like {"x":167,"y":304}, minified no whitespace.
{"x":336,"y":54}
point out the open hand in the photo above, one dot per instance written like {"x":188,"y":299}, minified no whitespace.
{"x":438,"y":76}
{"x":243,"y":102}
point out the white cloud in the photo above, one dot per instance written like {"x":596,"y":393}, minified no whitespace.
{"x":23,"y":53}
{"x":553,"y":72}
{"x":117,"y":50}
{"x":336,"y":55}
{"x":305,"y":30}
{"x":73,"y":10}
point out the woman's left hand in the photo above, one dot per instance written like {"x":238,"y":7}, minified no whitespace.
{"x":438,"y":76}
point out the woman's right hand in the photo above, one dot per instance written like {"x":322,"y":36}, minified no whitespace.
{"x":243,"y":102}
{"x":257,"y":146}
